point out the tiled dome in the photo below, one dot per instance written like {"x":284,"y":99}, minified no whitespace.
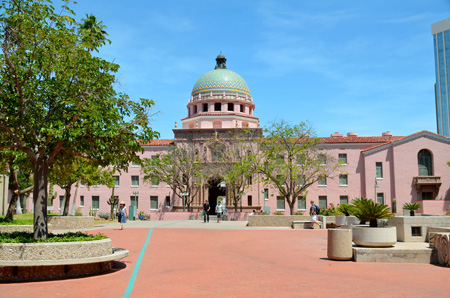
{"x":221,"y":80}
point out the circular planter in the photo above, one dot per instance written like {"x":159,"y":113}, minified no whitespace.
{"x":46,"y":261}
{"x":374,"y":237}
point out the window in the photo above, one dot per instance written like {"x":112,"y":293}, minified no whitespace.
{"x":342,"y":157}
{"x":195,"y":109}
{"x":249,"y":180}
{"x":249,"y":201}
{"x":380,"y":198}
{"x":323,"y":181}
{"x":155,"y":157}
{"x":343,"y":200}
{"x":153,"y":202}
{"x":427,"y":196}
{"x":167,"y":202}
{"x":61,"y":202}
{"x":242,"y":108}
{"x":217,"y":107}
{"x":230,"y":107}
{"x":301,"y":180}
{"x":322,"y":159}
{"x":343,"y":180}
{"x":134,"y":181}
{"x":425,"y":163}
{"x":323,"y":202}
{"x":135,"y":164}
{"x":116,"y":181}
{"x":134,"y":201}
{"x":81,"y":201}
{"x":95,"y":202}
{"x":205,"y":107}
{"x":266,"y":194}
{"x":301,"y":203}
{"x":280,"y":203}
{"x":379,"y":170}
{"x":155,"y":182}
{"x":416,"y":231}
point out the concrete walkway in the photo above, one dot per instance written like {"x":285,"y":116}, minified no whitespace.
{"x":193,"y":259}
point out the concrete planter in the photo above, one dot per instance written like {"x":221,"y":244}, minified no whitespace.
{"x":339,"y":245}
{"x":374,"y":237}
{"x":347,"y":220}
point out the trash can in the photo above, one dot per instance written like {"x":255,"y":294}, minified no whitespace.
{"x":132,"y":213}
{"x":340,"y":244}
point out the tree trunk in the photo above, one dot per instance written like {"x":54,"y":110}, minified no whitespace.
{"x":40,"y":197}
{"x":113,"y":203}
{"x":74,"y":203}
{"x":291,"y":204}
{"x":12,"y":207}
{"x":68,"y":189}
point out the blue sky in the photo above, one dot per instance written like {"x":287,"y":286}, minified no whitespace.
{"x":345,"y":66}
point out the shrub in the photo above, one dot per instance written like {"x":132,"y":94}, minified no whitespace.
{"x":368,"y":210}
{"x":411,"y":206}
{"x":278,"y":213}
{"x":104,"y":215}
{"x":298,"y":213}
{"x":330,"y":211}
{"x":78,"y":212}
{"x":23,"y":237}
{"x":346,"y":209}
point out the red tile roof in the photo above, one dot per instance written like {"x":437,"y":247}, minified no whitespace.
{"x":378,"y":139}
{"x":161,"y":142}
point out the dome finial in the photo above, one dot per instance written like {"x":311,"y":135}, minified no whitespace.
{"x":221,"y":61}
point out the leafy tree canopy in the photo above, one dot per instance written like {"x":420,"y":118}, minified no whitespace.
{"x":56,"y":97}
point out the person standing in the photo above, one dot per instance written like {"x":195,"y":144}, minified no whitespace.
{"x":122,"y":218}
{"x":313,"y":212}
{"x":219,"y":211}
{"x":206,"y":209}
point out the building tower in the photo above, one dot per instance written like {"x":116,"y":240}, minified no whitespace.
{"x":441,"y":39}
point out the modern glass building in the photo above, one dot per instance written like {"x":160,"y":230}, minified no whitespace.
{"x":441,"y":39}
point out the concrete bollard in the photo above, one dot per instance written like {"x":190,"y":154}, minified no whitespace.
{"x":340,"y":244}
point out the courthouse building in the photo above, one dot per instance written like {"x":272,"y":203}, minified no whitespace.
{"x":391,"y":169}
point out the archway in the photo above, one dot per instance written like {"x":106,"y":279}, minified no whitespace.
{"x":215,"y":191}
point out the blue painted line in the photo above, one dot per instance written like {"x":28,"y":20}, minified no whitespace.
{"x":139,"y":260}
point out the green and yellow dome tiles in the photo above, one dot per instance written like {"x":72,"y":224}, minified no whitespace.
{"x":221,"y":80}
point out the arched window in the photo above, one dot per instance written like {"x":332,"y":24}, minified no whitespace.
{"x":425,"y":163}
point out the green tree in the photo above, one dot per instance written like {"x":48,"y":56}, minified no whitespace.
{"x":181,"y":168}
{"x":290,"y":159}
{"x":93,"y":32}
{"x":56,"y":97}
{"x":232,"y":162}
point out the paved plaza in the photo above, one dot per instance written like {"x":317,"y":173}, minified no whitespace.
{"x":228,"y":259}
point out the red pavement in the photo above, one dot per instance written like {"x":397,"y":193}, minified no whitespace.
{"x":241,"y":263}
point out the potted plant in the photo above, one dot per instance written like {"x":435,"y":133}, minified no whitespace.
{"x":372,"y":235}
{"x":347,"y":217}
{"x":141,"y":214}
{"x":411,"y":207}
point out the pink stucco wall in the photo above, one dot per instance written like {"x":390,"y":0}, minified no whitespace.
{"x":399,"y":161}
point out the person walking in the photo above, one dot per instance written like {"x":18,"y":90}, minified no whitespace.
{"x":313,"y":212}
{"x":122,"y":217}
{"x":219,"y":211}
{"x":206,"y":209}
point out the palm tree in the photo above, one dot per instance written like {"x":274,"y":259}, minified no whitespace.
{"x":93,"y":32}
{"x":368,"y":210}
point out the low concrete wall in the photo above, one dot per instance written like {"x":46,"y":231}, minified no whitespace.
{"x":275,"y":220}
{"x":55,"y":250}
{"x":71,"y":222}
{"x":404,"y":226}
{"x":20,"y":228}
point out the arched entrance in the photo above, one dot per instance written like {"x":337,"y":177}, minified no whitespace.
{"x":215,"y":191}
